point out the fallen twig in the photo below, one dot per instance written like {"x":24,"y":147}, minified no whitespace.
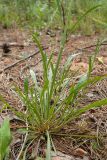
{"x":13,"y":44}
{"x":14,"y":64}
{"x":91,"y":46}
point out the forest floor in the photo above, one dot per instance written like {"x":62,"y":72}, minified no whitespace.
{"x":23,"y":54}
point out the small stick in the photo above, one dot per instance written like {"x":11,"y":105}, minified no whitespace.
{"x":14,"y":64}
{"x":15,"y":45}
{"x":91,"y":46}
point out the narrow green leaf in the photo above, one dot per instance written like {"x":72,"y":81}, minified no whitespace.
{"x":93,"y":105}
{"x":5,"y":138}
{"x":44,"y":56}
{"x":26,"y":86}
{"x":84,"y":15}
{"x":92,"y":59}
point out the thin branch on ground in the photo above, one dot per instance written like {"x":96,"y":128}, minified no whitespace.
{"x":14,"y":44}
{"x":20,"y":61}
{"x":91,"y":46}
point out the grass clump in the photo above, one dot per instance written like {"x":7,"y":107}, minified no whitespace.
{"x":51,"y":106}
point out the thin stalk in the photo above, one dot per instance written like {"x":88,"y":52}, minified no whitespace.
{"x":25,"y":139}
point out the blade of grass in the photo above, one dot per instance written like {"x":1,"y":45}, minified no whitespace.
{"x":84,"y":15}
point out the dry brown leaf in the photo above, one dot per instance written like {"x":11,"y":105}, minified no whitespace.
{"x":100,"y":60}
{"x":81,"y":66}
{"x":56,"y":158}
{"x":80,"y":152}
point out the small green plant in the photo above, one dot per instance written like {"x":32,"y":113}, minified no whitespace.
{"x":5,"y":138}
